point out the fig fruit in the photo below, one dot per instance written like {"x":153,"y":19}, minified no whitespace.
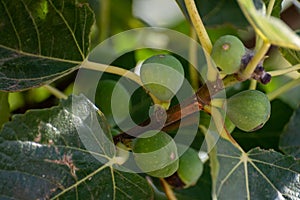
{"x":189,"y":170}
{"x":162,"y":75}
{"x":190,"y":167}
{"x":249,"y":110}
{"x":227,"y":53}
{"x":155,"y":153}
{"x":110,"y":94}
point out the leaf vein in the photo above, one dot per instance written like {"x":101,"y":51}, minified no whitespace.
{"x":35,"y":27}
{"x":13,"y":25}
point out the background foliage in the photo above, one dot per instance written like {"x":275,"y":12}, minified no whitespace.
{"x":41,"y":154}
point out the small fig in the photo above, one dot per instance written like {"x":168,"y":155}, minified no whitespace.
{"x":189,"y":170}
{"x":227,"y":53}
{"x":190,"y":167}
{"x":110,"y":94}
{"x":162,"y":75}
{"x":155,"y":153}
{"x":249,"y":110}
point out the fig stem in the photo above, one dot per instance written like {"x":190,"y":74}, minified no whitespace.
{"x":253,"y":85}
{"x":193,"y":59}
{"x":284,"y":71}
{"x":283,"y":89}
{"x":246,"y":74}
{"x":111,"y":69}
{"x":155,"y":122}
{"x":259,"y":40}
{"x":191,"y":105}
{"x":220,"y":125}
{"x":212,"y":73}
{"x":57,"y":93}
{"x":270,"y":7}
{"x":230,"y":80}
{"x":198,"y":25}
{"x":167,"y":189}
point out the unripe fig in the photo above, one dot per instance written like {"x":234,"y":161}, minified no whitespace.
{"x":189,"y":170}
{"x":111,"y":93}
{"x":249,"y":110}
{"x":155,"y":153}
{"x":162,"y":75}
{"x":227,"y":53}
{"x":190,"y":167}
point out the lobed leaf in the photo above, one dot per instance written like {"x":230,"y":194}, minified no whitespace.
{"x":41,"y":40}
{"x":257,"y":174}
{"x":62,"y":152}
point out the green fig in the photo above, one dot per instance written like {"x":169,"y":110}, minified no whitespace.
{"x":249,"y":110}
{"x":111,"y":93}
{"x":189,"y":171}
{"x":190,"y":167}
{"x":162,"y":75}
{"x":155,"y":153}
{"x":227,"y":53}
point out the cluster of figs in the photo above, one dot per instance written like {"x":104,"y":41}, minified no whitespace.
{"x":155,"y":151}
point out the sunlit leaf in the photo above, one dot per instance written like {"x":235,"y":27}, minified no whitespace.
{"x":44,"y":155}
{"x":41,"y":40}
{"x":258,"y":174}
{"x":270,"y":29}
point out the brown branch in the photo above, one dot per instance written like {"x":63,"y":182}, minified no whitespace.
{"x":168,"y":120}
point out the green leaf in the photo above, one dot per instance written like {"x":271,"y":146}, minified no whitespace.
{"x":289,"y":140}
{"x":290,"y":97}
{"x":41,"y":40}
{"x":270,"y":29}
{"x":215,"y":12}
{"x":258,"y":174}
{"x":4,"y":108}
{"x":276,"y":9}
{"x":290,"y":55}
{"x":41,"y":171}
{"x":43,"y":154}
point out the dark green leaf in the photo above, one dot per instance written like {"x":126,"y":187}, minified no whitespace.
{"x":33,"y":171}
{"x":19,"y":72}
{"x":258,"y":174}
{"x":63,"y":151}
{"x":215,"y":12}
{"x":4,"y":108}
{"x":41,"y":40}
{"x":289,"y":140}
